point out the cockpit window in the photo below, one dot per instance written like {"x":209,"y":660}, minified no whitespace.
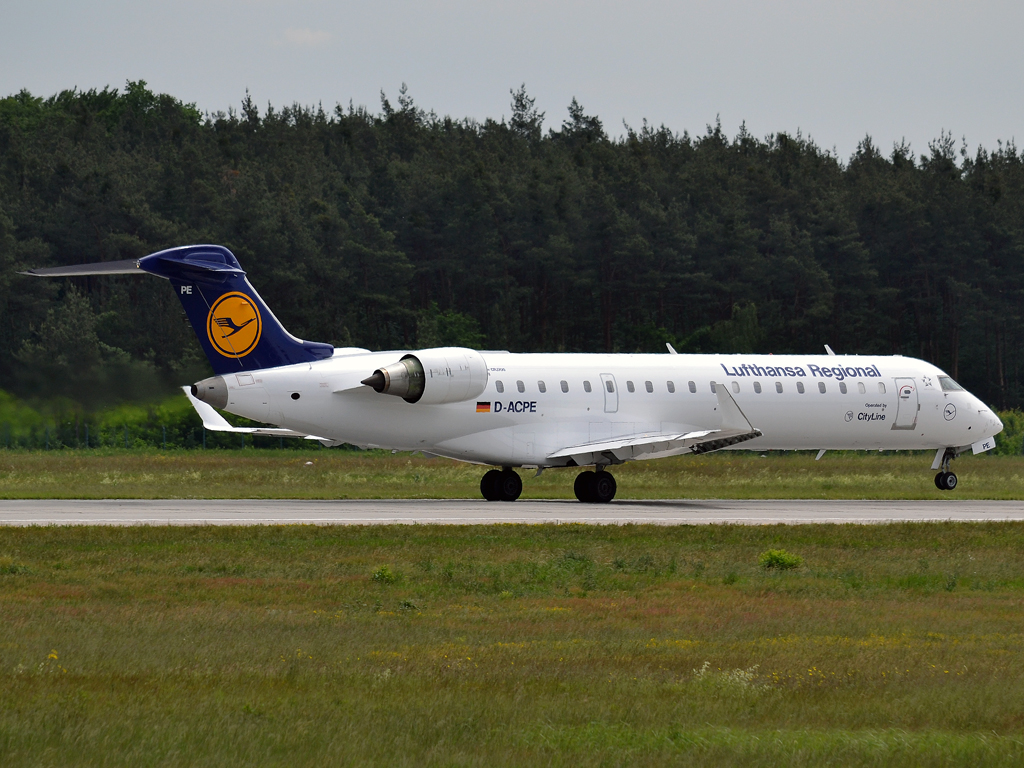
{"x":948,"y":385}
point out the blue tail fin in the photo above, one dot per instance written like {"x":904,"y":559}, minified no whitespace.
{"x":235,"y":327}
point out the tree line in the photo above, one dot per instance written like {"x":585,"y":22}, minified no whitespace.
{"x":404,"y":229}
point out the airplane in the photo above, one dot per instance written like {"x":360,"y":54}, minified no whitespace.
{"x":540,"y":411}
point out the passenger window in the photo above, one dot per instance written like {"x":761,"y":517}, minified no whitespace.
{"x":842,"y":387}
{"x":611,"y":387}
{"x":736,"y":387}
{"x":778,"y":387}
{"x":860,"y":387}
{"x":648,"y":386}
{"x":692,"y":386}
{"x":542,"y":387}
{"x":821,"y":387}
{"x":586,"y":386}
{"x":629,"y":386}
{"x":520,"y":386}
{"x":712,"y":387}
{"x":757,"y":387}
{"x":881,"y":387}
{"x":671,"y":386}
{"x":565,"y":385}
{"x":800,"y":387}
{"x":499,"y":386}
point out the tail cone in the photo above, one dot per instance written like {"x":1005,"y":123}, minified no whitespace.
{"x":377,"y":381}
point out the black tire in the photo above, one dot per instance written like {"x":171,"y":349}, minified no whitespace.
{"x":603,"y":487}
{"x":938,"y":481}
{"x":949,"y":481}
{"x":584,"y":486}
{"x":510,"y":485}
{"x":489,"y":488}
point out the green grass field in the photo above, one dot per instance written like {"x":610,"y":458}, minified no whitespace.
{"x":553,"y":645}
{"x":335,"y":474}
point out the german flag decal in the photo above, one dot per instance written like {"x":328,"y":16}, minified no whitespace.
{"x":483,"y":407}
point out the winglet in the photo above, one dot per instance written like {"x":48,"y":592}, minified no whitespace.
{"x":733,"y":418}
{"x":214,"y":422}
{"x":829,"y":350}
{"x":671,"y":349}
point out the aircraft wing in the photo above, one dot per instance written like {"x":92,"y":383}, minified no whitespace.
{"x":214,"y":422}
{"x":735,"y":428}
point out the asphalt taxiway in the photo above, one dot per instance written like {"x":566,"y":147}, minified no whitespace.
{"x":473,"y":512}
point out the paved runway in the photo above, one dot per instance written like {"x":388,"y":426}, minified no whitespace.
{"x":472,"y":512}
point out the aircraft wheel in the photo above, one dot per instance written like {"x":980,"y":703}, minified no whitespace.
{"x":938,"y":480}
{"x":489,"y":487}
{"x":603,"y":487}
{"x":584,"y":486}
{"x":946,"y":481}
{"x":509,"y":484}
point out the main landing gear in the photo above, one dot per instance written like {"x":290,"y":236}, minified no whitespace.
{"x":946,"y":480}
{"x":501,"y":485}
{"x":590,"y":487}
{"x":594,"y":487}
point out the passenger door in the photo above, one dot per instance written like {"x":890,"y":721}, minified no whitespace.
{"x":907,"y":404}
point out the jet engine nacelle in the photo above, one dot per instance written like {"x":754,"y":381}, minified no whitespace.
{"x":433,"y":376}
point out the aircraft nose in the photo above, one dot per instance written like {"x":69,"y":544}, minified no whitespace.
{"x":997,"y":423}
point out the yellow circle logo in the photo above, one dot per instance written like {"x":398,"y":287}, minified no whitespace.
{"x":234,"y":325}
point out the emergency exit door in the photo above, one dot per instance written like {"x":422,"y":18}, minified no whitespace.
{"x":611,"y":395}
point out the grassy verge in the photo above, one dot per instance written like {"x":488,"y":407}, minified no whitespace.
{"x":422,"y":645}
{"x":336,"y":474}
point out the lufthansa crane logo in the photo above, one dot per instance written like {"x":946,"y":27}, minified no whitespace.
{"x":234,"y":325}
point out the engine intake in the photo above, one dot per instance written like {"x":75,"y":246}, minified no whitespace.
{"x":433,"y":376}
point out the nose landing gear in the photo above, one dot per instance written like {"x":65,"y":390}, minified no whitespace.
{"x":594,"y":487}
{"x":501,"y":485}
{"x":946,"y":480}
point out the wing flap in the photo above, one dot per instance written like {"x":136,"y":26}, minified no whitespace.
{"x":735,"y":428}
{"x":617,"y":444}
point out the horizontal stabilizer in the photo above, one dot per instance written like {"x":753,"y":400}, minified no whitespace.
{"x":125,"y":267}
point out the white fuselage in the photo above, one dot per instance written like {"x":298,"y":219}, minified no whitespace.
{"x":538,"y":404}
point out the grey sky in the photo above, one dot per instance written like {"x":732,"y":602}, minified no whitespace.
{"x":835,"y":70}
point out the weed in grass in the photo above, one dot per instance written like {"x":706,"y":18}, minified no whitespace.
{"x":779,"y":560}
{"x":384,"y":575}
{"x":10,"y":567}
{"x":723,"y":680}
